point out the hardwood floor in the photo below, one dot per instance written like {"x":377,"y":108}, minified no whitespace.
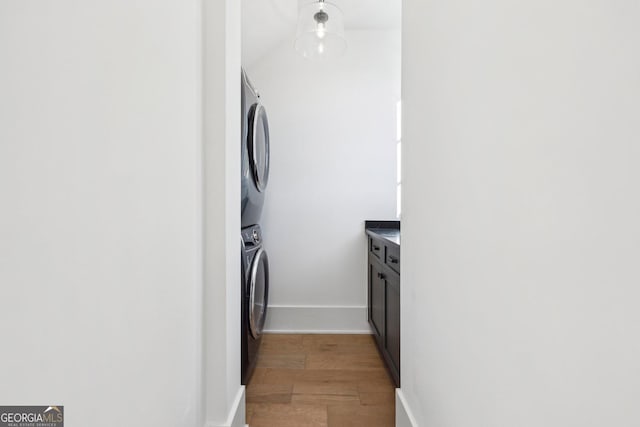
{"x":320,"y":381}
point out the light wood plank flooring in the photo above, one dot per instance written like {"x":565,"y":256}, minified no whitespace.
{"x":320,"y":381}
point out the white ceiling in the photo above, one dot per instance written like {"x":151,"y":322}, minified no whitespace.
{"x":268,"y":23}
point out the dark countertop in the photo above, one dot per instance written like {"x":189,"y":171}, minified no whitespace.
{"x":387,"y":230}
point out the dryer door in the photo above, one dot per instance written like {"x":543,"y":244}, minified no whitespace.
{"x":258,"y":145}
{"x":258,"y":293}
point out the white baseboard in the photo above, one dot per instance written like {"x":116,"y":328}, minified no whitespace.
{"x":237,"y":414}
{"x":404,"y":417}
{"x":317,"y":320}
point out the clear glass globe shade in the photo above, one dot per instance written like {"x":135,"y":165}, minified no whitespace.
{"x":320,"y":31}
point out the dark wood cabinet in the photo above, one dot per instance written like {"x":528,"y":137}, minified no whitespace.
{"x":384,"y":300}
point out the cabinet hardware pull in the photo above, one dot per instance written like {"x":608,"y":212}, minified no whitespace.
{"x":381,"y":276}
{"x":393,"y":260}
{"x":376,"y":248}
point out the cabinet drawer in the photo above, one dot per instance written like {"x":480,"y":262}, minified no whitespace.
{"x":392,"y":258}
{"x":376,"y":247}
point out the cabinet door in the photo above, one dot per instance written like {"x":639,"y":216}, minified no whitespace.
{"x":392,"y":324}
{"x":376,"y":297}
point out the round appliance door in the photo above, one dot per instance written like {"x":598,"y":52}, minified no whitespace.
{"x":258,"y":293}
{"x":258,"y":145}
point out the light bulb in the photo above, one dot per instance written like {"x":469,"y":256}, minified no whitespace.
{"x":321,"y":19}
{"x":320,"y":48}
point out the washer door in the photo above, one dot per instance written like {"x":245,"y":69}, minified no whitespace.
{"x":258,"y":145}
{"x":258,"y":293}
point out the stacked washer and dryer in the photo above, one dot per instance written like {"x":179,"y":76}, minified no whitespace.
{"x":255,"y":263}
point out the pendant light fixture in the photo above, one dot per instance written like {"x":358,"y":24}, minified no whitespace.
{"x":320,"y":31}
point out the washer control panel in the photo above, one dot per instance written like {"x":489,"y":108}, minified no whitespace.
{"x":251,"y":236}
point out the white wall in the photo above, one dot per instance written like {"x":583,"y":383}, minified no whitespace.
{"x":521,"y":236}
{"x":333,"y":166}
{"x":224,"y":397}
{"x":101,"y":272}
